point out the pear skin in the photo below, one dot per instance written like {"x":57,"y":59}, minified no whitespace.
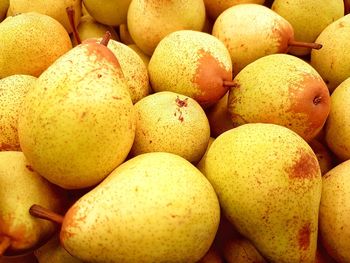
{"x":335,"y":212}
{"x":13,"y":90}
{"x":161,"y":214}
{"x":145,"y":58}
{"x":24,"y":37}
{"x":78,"y":122}
{"x":285,"y":90}
{"x":269,"y":186}
{"x":324,"y":156}
{"x":125,"y":35}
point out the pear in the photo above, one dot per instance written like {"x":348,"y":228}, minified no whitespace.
{"x":308,"y":18}
{"x":78,"y":121}
{"x":216,"y":7}
{"x":53,"y":252}
{"x":269,"y":186}
{"x":24,"y":258}
{"x":143,"y":212}
{"x":332,"y":61}
{"x":111,"y":12}
{"x":150,"y":21}
{"x":251,"y":31}
{"x":53,"y":8}
{"x":335,"y":212}
{"x":13,"y":90}
{"x":170,"y":122}
{"x":285,"y":90}
{"x":212,"y":256}
{"x":324,"y":156}
{"x":4,"y":5}
{"x":200,"y":164}
{"x":30,"y":43}
{"x":145,"y":58}
{"x":125,"y":35}
{"x":191,"y":63}
{"x":337,"y":131}
{"x":20,"y":188}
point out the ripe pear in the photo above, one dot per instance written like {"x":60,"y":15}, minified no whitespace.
{"x":78,"y":122}
{"x":111,"y":12}
{"x":145,"y":58}
{"x":332,"y":61}
{"x":324,"y":156}
{"x":53,"y":8}
{"x":150,"y":21}
{"x":269,"y":186}
{"x":216,"y":7}
{"x":4,"y":5}
{"x":337,"y":131}
{"x":125,"y":35}
{"x":159,"y":214}
{"x":13,"y":90}
{"x":30,"y":43}
{"x":284,"y":90}
{"x":308,"y":18}
{"x":200,"y":164}
{"x":247,"y":40}
{"x":20,"y":188}
{"x":335,"y":212}
{"x":171,"y":122}
{"x":191,"y":63}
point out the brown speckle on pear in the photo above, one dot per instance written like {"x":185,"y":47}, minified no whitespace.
{"x":305,"y":167}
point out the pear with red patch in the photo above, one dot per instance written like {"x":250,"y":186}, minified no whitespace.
{"x":269,"y":186}
{"x":280,"y":89}
{"x":191,"y":63}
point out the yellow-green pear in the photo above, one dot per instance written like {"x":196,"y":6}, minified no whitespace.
{"x":171,"y":122}
{"x":308,"y":18}
{"x":149,"y":21}
{"x":145,"y":58}
{"x":251,"y":31}
{"x":53,"y":8}
{"x":191,"y":63}
{"x":280,"y":89}
{"x":337,"y":131}
{"x":332,"y":60}
{"x":156,"y":207}
{"x":90,"y":28}
{"x":20,"y":188}
{"x":269,"y":186}
{"x":78,"y":122}
{"x":216,"y":7}
{"x":30,"y":43}
{"x":108,"y":12}
{"x":13,"y":90}
{"x":4,"y":5}
{"x":53,"y":252}
{"x":335,"y":212}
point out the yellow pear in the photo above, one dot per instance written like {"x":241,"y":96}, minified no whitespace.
{"x":30,"y":43}
{"x":144,"y":212}
{"x":335,"y":212}
{"x":191,"y":63}
{"x":216,"y":7}
{"x":78,"y":121}
{"x":149,"y":21}
{"x":251,"y":31}
{"x":13,"y":90}
{"x":4,"y":5}
{"x":145,"y":58}
{"x":280,"y":89}
{"x":332,"y":60}
{"x":110,"y":12}
{"x":337,"y":131}
{"x":125,"y":35}
{"x":53,"y":8}
{"x":20,"y":188}
{"x":308,"y":18}
{"x":269,"y":186}
{"x":200,"y":164}
{"x":171,"y":122}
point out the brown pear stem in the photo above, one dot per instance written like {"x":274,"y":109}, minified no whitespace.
{"x":346,"y":7}
{"x":4,"y":244}
{"x":229,"y":84}
{"x":106,"y":38}
{"x":304,"y":44}
{"x":44,"y":213}
{"x":71,"y":13}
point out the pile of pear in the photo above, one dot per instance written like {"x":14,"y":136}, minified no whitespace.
{"x":174,"y":131}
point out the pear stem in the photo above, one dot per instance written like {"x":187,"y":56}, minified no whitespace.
{"x":304,"y":44}
{"x":44,"y":213}
{"x":229,"y":84}
{"x":346,"y":7}
{"x":70,"y":12}
{"x":106,"y":38}
{"x":4,"y":244}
